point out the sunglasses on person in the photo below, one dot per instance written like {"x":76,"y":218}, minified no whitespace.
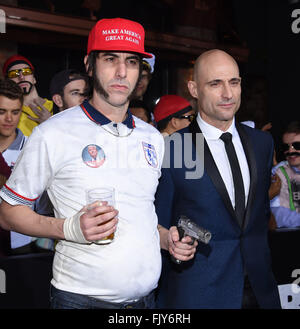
{"x":190,"y":117}
{"x":16,"y":73}
{"x":296,"y":146}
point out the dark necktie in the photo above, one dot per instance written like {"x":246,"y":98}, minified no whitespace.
{"x":239,"y":191}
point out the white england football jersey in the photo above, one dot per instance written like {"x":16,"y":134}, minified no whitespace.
{"x":56,"y":158}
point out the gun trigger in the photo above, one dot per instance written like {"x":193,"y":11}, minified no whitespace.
{"x":192,"y":242}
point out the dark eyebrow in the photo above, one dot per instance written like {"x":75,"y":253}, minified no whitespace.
{"x":219,"y":80}
{"x":109,"y":54}
{"x":235,"y":79}
{"x":8,"y":110}
{"x":214,"y":81}
{"x":132,"y":56}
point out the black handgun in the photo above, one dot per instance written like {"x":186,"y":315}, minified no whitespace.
{"x":187,"y":227}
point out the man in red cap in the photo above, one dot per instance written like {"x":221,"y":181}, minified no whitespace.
{"x":86,"y":274}
{"x":35,"y":108}
{"x":173,"y":113}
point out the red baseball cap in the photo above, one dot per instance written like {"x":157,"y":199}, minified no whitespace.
{"x":13,"y":60}
{"x":117,"y":34}
{"x":170,"y":106}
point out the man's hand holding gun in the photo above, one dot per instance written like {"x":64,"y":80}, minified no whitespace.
{"x":182,"y":241}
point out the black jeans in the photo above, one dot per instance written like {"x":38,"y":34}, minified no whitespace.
{"x":68,"y":300}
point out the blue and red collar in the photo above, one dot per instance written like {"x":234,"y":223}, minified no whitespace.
{"x":101,"y":119}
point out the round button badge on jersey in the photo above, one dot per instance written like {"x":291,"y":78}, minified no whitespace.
{"x":93,"y":156}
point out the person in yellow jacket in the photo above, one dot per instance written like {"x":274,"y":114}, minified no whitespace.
{"x":35,"y":109}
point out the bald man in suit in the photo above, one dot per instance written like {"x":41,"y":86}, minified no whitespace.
{"x":234,"y":269}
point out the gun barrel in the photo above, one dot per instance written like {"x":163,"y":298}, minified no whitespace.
{"x":194,"y":231}
{"x":205,"y":238}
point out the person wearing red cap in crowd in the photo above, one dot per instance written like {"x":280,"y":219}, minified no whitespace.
{"x":35,"y":109}
{"x":87,"y":273}
{"x":172,"y":113}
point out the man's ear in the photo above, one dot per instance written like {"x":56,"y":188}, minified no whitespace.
{"x":192,"y":86}
{"x":57,"y":100}
{"x":85,"y":60}
{"x":174,"y":122}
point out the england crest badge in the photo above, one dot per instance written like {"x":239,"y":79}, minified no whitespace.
{"x":150,"y":154}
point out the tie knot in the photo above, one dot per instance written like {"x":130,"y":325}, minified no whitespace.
{"x":226,"y":137}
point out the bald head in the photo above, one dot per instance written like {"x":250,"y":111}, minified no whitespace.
{"x":217,"y":87}
{"x":212,"y":58}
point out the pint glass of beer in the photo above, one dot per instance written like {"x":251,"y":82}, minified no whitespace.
{"x":102,"y":194}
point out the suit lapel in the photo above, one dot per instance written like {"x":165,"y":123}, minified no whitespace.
{"x":212,"y":170}
{"x":249,"y":152}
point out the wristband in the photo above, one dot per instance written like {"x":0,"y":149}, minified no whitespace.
{"x":72,"y":229}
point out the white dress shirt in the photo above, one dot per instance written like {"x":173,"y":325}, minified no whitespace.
{"x":217,"y":149}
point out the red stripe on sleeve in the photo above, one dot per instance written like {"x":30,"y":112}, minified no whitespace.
{"x":20,"y":196}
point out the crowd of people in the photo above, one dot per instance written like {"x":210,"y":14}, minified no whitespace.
{"x":97,"y":131}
